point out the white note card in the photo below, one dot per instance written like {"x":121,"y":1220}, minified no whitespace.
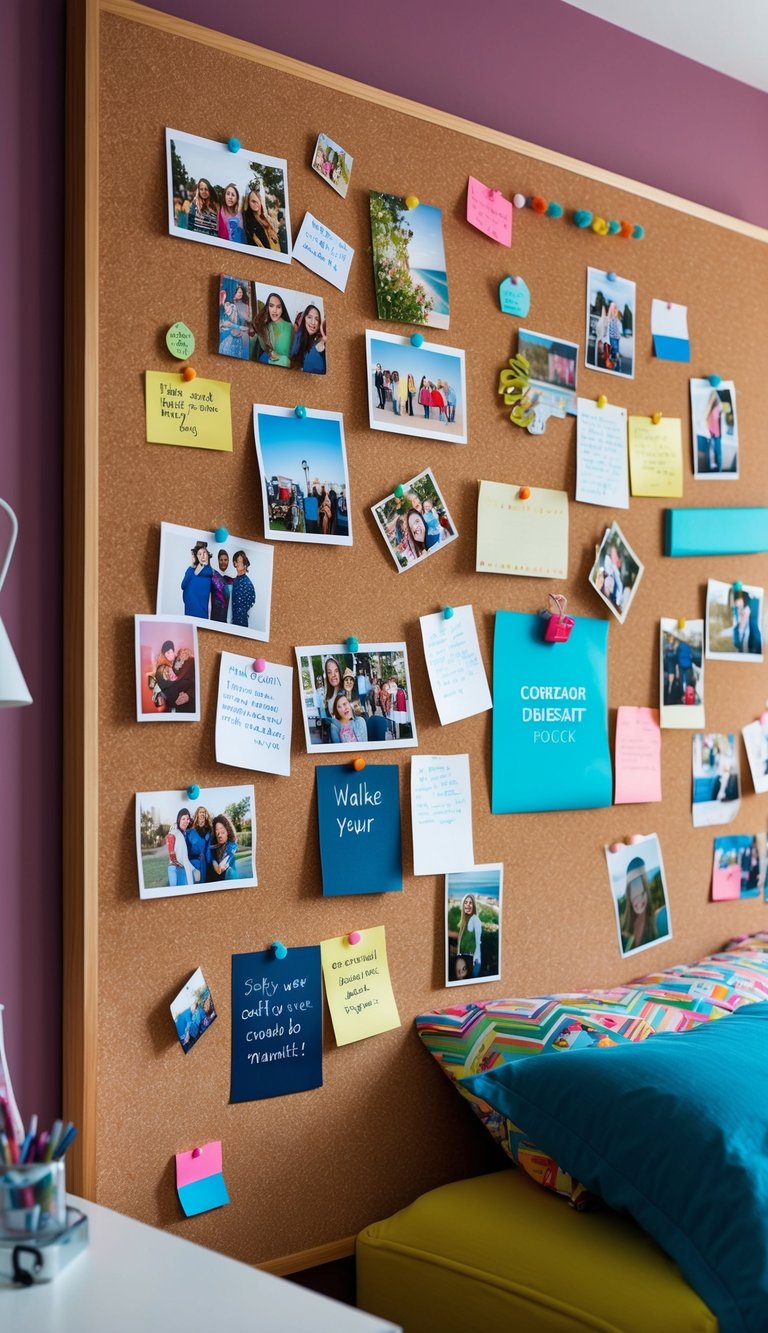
{"x":321,"y":250}
{"x":601,"y":455}
{"x":253,"y":715}
{"x":456,"y":671}
{"x":441,"y":814}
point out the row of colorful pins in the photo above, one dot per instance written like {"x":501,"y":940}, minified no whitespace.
{"x":580,"y":217}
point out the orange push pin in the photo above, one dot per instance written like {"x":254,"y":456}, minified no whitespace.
{"x":358,"y":764}
{"x":189,"y":373}
{"x":524,"y":493}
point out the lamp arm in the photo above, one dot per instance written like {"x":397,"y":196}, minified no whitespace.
{"x":14,"y":534}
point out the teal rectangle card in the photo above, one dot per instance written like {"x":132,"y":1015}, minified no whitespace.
{"x":716,"y":531}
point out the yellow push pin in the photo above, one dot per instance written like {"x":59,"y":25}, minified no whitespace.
{"x":681,"y":623}
{"x":602,"y":401}
{"x":656,"y":418}
{"x":411,"y":201}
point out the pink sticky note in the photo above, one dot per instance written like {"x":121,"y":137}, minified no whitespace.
{"x":190,"y":1169}
{"x":489,"y":211}
{"x":638,"y":756}
{"x":726,"y":883}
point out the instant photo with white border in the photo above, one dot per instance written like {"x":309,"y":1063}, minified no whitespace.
{"x":734,"y":618}
{"x":177,"y":544}
{"x":322,"y":432}
{"x":619,"y":857}
{"x":312,"y":707}
{"x":483,"y":881}
{"x":436,"y":535}
{"x":165,"y":808}
{"x":427,"y":356}
{"x":606,"y":575}
{"x":166,"y":674}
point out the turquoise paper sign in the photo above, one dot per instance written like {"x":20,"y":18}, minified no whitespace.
{"x":550,"y":720}
{"x":514,"y":297}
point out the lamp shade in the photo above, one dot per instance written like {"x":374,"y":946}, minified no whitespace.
{"x":13,"y":687}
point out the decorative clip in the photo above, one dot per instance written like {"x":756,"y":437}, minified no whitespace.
{"x":559,"y":625}
{"x":514,"y":385}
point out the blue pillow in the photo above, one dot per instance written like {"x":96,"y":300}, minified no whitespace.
{"x":675,"y":1130}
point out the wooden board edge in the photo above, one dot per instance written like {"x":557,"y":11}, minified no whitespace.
{"x":320,"y":1254}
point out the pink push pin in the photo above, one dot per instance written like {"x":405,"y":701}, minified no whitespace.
{"x":259,"y":665}
{"x":354,"y":937}
{"x":197,"y":1152}
{"x":559,"y":625}
{"x":615,"y":847}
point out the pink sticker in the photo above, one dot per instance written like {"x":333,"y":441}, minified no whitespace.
{"x":726,"y":884}
{"x":190,"y":1168}
{"x":489,"y":211}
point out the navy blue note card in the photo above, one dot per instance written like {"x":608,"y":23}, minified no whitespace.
{"x":277,"y":1023}
{"x":359,"y":820}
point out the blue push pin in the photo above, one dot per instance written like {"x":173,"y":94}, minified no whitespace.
{"x":279,"y":949}
{"x":417,"y":339}
{"x":233,"y":145}
{"x":738,"y":587}
{"x":447,"y":612}
{"x":221,"y":535}
{"x":715,"y":381}
{"x":352,"y":644}
{"x":193,"y":791}
{"x":611,"y":277}
{"x":300,"y":410}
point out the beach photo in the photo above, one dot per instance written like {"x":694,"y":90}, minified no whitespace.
{"x":274,"y":326}
{"x":681,"y":667}
{"x":222,"y":585}
{"x":199,"y":845}
{"x":409,"y":262}
{"x":235,"y":200}
{"x":304,"y":475}
{"x":416,"y":523}
{"x":714,"y":432}
{"x":734,"y":621}
{"x":716,"y":781}
{"x":755,"y":736}
{"x":167,"y":669}
{"x":192,"y":1010}
{"x":611,"y":304}
{"x":357,"y":700}
{"x":616,"y":572}
{"x":738,"y":867}
{"x":552,"y":366}
{"x":333,"y":164}
{"x":416,"y":390}
{"x":473,"y":925}
{"x":639,"y":894}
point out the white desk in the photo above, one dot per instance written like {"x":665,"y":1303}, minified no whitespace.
{"x":135,"y":1279}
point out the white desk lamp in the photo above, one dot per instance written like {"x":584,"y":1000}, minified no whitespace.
{"x":13,"y":687}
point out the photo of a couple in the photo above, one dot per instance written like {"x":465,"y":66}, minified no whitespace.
{"x":167,"y":670}
{"x":184,"y":848}
{"x":223,"y":585}
{"x":272,"y":326}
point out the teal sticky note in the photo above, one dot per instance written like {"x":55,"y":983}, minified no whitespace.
{"x":514,"y":297}
{"x":203,"y":1195}
{"x":716,"y":531}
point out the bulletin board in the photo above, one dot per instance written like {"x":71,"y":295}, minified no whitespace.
{"x":306,"y":1172}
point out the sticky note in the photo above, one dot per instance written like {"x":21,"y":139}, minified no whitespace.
{"x":180,"y":341}
{"x":602,"y":476}
{"x":358,"y":986}
{"x":514,"y":296}
{"x":489,"y":211}
{"x":323,"y":252}
{"x":655,"y":456}
{"x":669,"y":327}
{"x":359,"y":824}
{"x":739,"y":531}
{"x":253,"y":715}
{"x":441,"y":814}
{"x":456,"y":671}
{"x":638,"y":756}
{"x":277,"y":1023}
{"x":195,"y":413}
{"x":199,"y":1180}
{"x":517,"y":536}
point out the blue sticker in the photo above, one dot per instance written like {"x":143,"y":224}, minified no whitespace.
{"x":514,"y":297}
{"x":277,"y":1024}
{"x":202,"y":1195}
{"x":671,"y":349}
{"x":359,"y":821}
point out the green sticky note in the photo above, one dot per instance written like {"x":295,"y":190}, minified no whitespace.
{"x":180,"y":341}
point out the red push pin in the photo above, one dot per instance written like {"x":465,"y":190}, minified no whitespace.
{"x":197,"y":1152}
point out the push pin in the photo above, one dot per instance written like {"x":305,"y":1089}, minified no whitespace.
{"x":193,"y":791}
{"x":738,"y":587}
{"x":354,"y":937}
{"x":300,"y":411}
{"x":681,"y":623}
{"x":278,"y":949}
{"x":417,"y":339}
{"x":518,"y":201}
{"x":524,"y":493}
{"x":411,"y":201}
{"x":615,"y":847}
{"x":352,"y":644}
{"x":233,"y":145}
{"x":635,"y":839}
{"x":602,"y":401}
{"x":189,"y":373}
{"x":715,"y":381}
{"x":221,"y":535}
{"x":447,"y":613}
{"x":611,"y":277}
{"x":259,"y":665}
{"x":656,"y":418}
{"x":358,"y":764}
{"x":399,"y":492}
{"x":197,"y":1152}
{"x":559,"y":625}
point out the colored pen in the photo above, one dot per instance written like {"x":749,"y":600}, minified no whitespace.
{"x":29,"y":1140}
{"x":5,"y":1148}
{"x":64,"y":1143}
{"x":53,"y":1139}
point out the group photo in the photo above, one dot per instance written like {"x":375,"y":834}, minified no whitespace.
{"x":611,"y":303}
{"x":738,"y":866}
{"x":304,"y":475}
{"x":616,"y":572}
{"x":332,"y":164}
{"x":409,"y":261}
{"x":734,"y":621}
{"x":235,"y":200}
{"x":167,"y":670}
{"x":415,"y":390}
{"x":271,"y":325}
{"x":714,"y":430}
{"x":552,"y":371}
{"x":356,"y":700}
{"x":716,"y":781}
{"x":192,"y":1010}
{"x":416,"y":523}
{"x":223,"y":585}
{"x":473,"y":925}
{"x":195,"y":846}
{"x":682,"y":664}
{"x":639,"y":893}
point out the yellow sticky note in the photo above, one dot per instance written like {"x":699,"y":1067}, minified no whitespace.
{"x":655,"y":456}
{"x":519,"y":533}
{"x":195,"y":413}
{"x":358,"y":986}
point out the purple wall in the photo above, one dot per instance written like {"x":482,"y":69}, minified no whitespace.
{"x":539,"y":71}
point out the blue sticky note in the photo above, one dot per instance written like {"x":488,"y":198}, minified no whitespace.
{"x":550,"y":719}
{"x":203,"y":1195}
{"x":359,"y":821}
{"x":671,"y":349}
{"x":277,"y":1024}
{"x":716,"y":531}
{"x":514,"y":297}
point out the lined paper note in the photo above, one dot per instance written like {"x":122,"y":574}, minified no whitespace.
{"x":638,"y":756}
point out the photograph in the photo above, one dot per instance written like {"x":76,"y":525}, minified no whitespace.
{"x":714,"y":432}
{"x":167,"y":669}
{"x":552,"y":366}
{"x":473,"y":925}
{"x":356,"y":700}
{"x":331,"y":162}
{"x":738,"y":867}
{"x":195,"y":846}
{"x":734,"y":622}
{"x":224,"y":585}
{"x":304,"y":475}
{"x":682,"y":672}
{"x":416,"y":523}
{"x":756,"y":745}
{"x":409,"y":261}
{"x":416,"y":390}
{"x":192,"y":1010}
{"x":639,"y":893}
{"x":716,"y":781}
{"x":616,"y":572}
{"x":271,"y":325}
{"x":235,"y":200}
{"x":610,"y":324}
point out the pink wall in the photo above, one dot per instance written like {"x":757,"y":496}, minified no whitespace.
{"x":543,"y":71}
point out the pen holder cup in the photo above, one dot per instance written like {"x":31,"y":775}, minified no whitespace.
{"x":32,"y":1200}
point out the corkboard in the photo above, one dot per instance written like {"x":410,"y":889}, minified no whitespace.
{"x":306,"y":1172}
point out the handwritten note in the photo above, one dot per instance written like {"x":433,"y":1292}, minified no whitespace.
{"x":180,"y":341}
{"x":489,"y":211}
{"x":456,"y":671}
{"x":321,"y":250}
{"x":199,"y":1179}
{"x":253,"y":715}
{"x":522,"y":536}
{"x":195,"y":413}
{"x":358,"y":986}
{"x":277,"y":1024}
{"x":359,"y":822}
{"x":441,"y":814}
{"x":601,"y":455}
{"x":514,"y":296}
{"x":656,"y":456}
{"x":638,"y":756}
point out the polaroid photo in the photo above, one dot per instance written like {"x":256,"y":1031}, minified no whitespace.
{"x":192,"y":1010}
{"x":551,"y":376}
{"x":416,"y":390}
{"x":716,"y":780}
{"x":473,"y":925}
{"x":333,"y":164}
{"x":616,"y":572}
{"x":714,"y":432}
{"x":734,"y":622}
{"x":738,"y":867}
{"x":681,"y":670}
{"x":271,"y":325}
{"x":304,"y":475}
{"x":639,"y":893}
{"x":409,"y":262}
{"x":235,"y":200}
{"x":756,"y":745}
{"x":611,"y":323}
{"x":358,"y":700}
{"x":415,"y":524}
{"x":224,"y":586}
{"x":195,"y":846}
{"x":167,"y":669}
